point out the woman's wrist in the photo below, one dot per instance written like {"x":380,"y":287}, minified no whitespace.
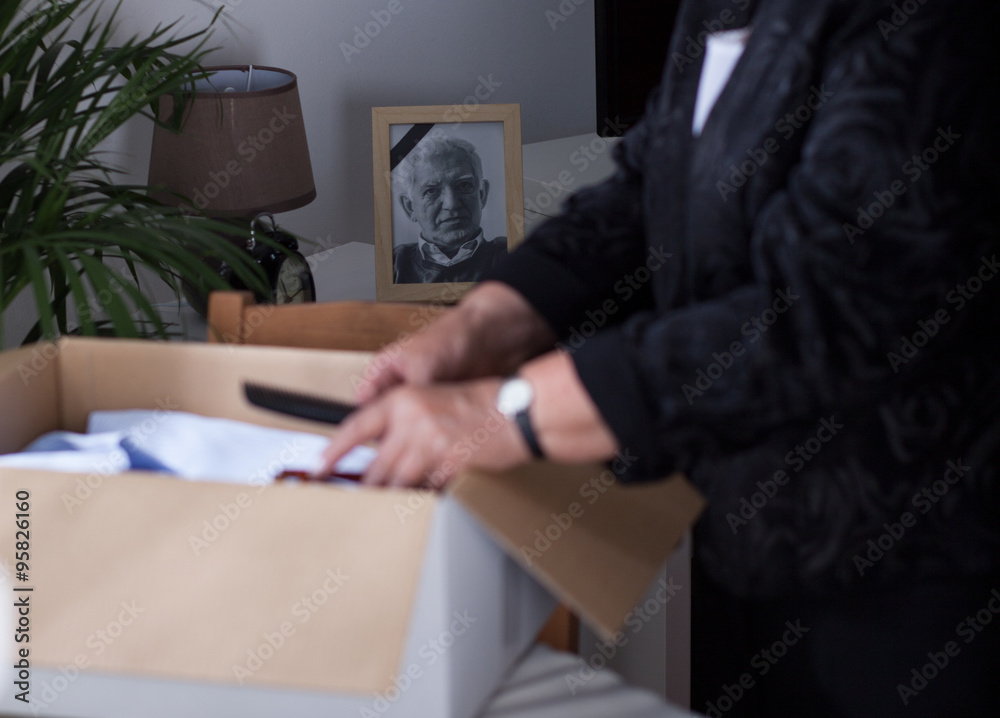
{"x":567,"y":424}
{"x":504,"y":329}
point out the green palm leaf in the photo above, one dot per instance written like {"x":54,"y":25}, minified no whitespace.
{"x":69,"y":233}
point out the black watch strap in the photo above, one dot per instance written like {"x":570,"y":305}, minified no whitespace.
{"x":524,"y":423}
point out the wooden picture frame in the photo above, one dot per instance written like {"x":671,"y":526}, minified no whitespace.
{"x":429,"y":147}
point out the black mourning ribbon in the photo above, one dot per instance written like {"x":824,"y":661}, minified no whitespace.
{"x":410,"y":140}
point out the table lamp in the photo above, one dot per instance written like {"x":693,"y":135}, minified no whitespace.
{"x":241,"y":154}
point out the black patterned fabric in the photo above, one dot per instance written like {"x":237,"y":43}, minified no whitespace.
{"x":818,"y":352}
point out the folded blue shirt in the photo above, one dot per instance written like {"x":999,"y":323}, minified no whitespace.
{"x":186,"y":445}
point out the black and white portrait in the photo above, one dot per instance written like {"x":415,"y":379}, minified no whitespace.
{"x":448,"y":201}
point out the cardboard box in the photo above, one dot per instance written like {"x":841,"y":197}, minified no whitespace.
{"x":153,"y":596}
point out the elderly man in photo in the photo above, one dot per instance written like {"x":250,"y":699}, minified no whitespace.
{"x":441,"y":188}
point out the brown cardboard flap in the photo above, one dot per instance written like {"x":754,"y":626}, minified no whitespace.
{"x":98,"y":374}
{"x":595,"y":544}
{"x":155,"y":576}
{"x":29,"y":390}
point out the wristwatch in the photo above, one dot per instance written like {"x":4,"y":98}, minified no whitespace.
{"x":513,"y":401}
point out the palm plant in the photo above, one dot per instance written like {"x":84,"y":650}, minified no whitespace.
{"x":65,"y":224}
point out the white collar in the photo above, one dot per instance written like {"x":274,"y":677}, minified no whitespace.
{"x":722,"y":51}
{"x":433,"y":253}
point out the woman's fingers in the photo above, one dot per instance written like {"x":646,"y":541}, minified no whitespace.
{"x":363,"y":425}
{"x":428,"y":435}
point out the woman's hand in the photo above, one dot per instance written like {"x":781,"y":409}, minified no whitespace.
{"x":491,"y":333}
{"x":429,"y":434}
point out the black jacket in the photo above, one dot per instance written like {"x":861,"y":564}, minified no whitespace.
{"x":819,"y":350}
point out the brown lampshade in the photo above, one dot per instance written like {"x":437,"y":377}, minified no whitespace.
{"x":242,"y":149}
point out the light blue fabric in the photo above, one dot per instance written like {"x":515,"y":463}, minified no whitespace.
{"x":190,"y":446}
{"x":75,"y":453}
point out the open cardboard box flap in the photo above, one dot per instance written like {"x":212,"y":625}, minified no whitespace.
{"x":597,"y":547}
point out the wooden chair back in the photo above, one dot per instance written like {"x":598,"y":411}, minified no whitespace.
{"x":233,"y":318}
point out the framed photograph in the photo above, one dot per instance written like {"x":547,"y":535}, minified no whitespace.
{"x":449,"y":202}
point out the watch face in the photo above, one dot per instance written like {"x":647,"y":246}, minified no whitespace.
{"x":515,"y":395}
{"x":294,"y":283}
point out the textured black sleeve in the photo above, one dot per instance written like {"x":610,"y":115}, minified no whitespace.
{"x":571,"y":263}
{"x":832,"y":314}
